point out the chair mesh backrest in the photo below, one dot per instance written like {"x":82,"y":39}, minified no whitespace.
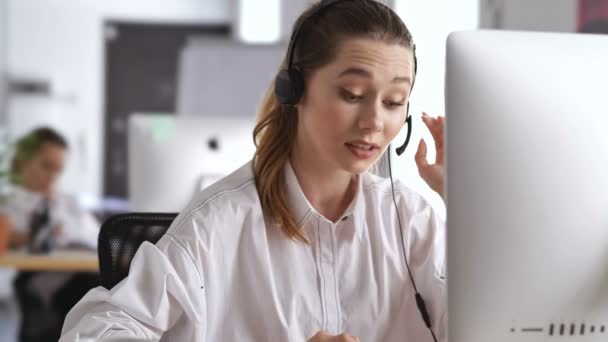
{"x":119,"y":239}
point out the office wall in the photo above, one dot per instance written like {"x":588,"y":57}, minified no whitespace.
{"x":526,"y":15}
{"x":216,"y":78}
{"x":430,"y":22}
{"x":3,"y":44}
{"x":62,"y":41}
{"x":4,"y":274}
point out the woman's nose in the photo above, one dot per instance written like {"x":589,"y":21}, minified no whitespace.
{"x":371,"y":119}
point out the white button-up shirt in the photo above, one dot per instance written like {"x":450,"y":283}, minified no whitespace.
{"x":77,"y":226}
{"x":224,"y":273}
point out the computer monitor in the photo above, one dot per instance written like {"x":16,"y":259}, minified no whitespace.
{"x":171,"y":158}
{"x":527,"y":187}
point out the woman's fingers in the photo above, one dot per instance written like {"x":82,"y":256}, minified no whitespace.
{"x":436,"y":126}
{"x":421,"y":155}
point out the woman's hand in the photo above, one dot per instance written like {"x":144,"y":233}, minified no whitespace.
{"x":323,"y":336}
{"x":433,"y":174}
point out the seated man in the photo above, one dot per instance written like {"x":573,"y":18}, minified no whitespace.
{"x":43,"y":219}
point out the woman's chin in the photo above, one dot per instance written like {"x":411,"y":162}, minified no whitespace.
{"x":359,"y":166}
{"x":354,"y":165}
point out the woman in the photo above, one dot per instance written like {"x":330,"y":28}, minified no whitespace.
{"x":42,"y":219}
{"x":303,"y":243}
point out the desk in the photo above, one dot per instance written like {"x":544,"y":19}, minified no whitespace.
{"x":67,"y":260}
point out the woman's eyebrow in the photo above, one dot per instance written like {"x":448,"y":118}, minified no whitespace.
{"x":356,"y":72}
{"x":402,"y":79}
{"x":364,"y":73}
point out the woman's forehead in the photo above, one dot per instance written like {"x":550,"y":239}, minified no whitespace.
{"x":377,"y":57}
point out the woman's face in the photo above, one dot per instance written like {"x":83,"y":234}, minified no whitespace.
{"x":40,"y":173}
{"x":354,"y":106}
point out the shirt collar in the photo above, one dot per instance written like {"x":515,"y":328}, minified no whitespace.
{"x":297,"y":200}
{"x":24,"y":194}
{"x":303,"y":210}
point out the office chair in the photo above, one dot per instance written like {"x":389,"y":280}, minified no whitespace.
{"x":119,"y":239}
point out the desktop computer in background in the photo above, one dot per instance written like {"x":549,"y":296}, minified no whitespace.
{"x":527,"y":186}
{"x":173,"y":157}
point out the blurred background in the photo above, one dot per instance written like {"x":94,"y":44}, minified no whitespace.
{"x":164,"y":93}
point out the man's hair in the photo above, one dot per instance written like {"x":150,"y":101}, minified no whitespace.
{"x":30,"y":144}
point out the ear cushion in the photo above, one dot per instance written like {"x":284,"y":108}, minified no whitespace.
{"x":289,"y":86}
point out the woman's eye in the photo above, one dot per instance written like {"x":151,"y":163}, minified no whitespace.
{"x":350,"y":97}
{"x":395,"y":104}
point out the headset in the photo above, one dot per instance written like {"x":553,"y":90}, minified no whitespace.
{"x":289,"y":88}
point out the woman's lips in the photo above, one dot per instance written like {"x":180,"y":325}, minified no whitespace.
{"x":362,"y":150}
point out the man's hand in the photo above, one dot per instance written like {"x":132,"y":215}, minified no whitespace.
{"x":18,"y":239}
{"x":57,"y":231}
{"x":323,"y":336}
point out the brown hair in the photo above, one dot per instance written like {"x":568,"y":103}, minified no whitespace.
{"x":319,"y":38}
{"x":27,"y":146}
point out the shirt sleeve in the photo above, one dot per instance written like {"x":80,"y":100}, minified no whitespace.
{"x":19,"y":209}
{"x":78,"y":226}
{"x":163,"y":284}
